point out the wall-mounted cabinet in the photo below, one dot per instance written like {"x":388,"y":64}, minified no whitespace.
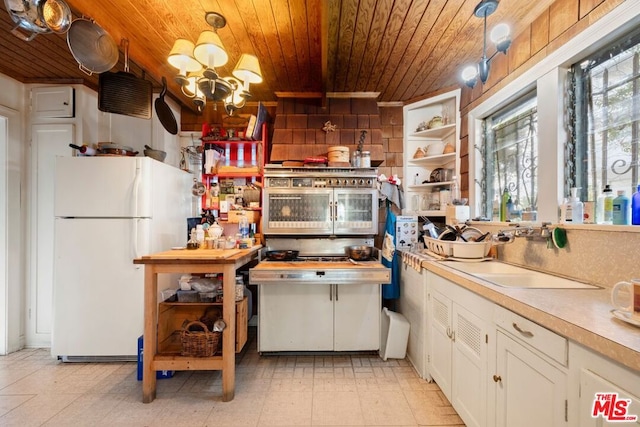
{"x":431,"y":147}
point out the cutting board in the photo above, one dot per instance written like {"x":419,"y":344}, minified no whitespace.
{"x":195,"y":254}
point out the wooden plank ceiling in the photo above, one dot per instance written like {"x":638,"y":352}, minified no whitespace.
{"x":401,"y":49}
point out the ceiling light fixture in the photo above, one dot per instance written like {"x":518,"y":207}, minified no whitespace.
{"x":499,"y":35}
{"x":197,"y":75}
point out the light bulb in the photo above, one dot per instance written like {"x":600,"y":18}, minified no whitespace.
{"x":500,"y":35}
{"x":469,"y":74}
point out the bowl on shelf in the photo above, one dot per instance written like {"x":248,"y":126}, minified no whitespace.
{"x":435,"y":148}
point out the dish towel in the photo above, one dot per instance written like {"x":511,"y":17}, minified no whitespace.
{"x":390,"y":256}
{"x":413,"y":260}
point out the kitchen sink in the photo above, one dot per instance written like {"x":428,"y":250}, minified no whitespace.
{"x":511,"y":276}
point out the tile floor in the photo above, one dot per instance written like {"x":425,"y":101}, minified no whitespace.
{"x":336,"y":390}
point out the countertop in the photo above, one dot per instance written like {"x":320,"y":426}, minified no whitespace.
{"x":581,"y":315}
{"x":200,"y":256}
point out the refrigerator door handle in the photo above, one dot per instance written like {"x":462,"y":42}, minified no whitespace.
{"x":136,"y":190}
{"x":135,"y":237}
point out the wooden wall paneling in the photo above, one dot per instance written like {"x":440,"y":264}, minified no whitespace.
{"x":361,"y":39}
{"x":562,"y":15}
{"x":405,"y":16}
{"x":418,"y":24}
{"x":373,"y":45}
{"x":456,"y":27}
{"x":540,"y":32}
{"x":344,"y":41}
{"x":430,"y":33}
{"x":520,"y":50}
{"x":586,"y":6}
{"x":602,"y":9}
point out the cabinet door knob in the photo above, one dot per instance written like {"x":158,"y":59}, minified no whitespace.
{"x":497,"y":378}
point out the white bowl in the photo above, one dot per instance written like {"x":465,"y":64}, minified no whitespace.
{"x":435,"y":149}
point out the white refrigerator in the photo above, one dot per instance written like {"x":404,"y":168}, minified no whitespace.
{"x":108,"y":211}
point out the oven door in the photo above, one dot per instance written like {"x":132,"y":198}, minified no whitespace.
{"x":355,"y":211}
{"x":297,"y":211}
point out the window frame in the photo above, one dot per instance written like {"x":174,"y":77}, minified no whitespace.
{"x":548,"y":78}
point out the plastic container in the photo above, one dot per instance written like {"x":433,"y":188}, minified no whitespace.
{"x":621,"y":209}
{"x":187,"y":296}
{"x":504,"y":210}
{"x":635,"y":207}
{"x":200,"y":235}
{"x":243,"y":226}
{"x":576,"y":207}
{"x":600,"y":204}
{"x":395,"y":335}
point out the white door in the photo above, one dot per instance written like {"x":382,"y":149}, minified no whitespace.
{"x":469,"y":373}
{"x":530,"y":391}
{"x":441,"y":345}
{"x":47,"y":142}
{"x":295,"y":317}
{"x":357,"y":317}
{"x":98,"y":291}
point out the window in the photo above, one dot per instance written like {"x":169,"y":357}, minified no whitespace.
{"x":606,"y":88}
{"x":510,"y":156}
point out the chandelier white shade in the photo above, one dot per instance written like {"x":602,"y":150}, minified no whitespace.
{"x":197,"y":75}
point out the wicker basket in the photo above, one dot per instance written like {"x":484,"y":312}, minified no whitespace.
{"x":200,"y":342}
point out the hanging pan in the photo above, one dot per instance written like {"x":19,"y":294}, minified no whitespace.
{"x":165,"y":115}
{"x":124,"y":93}
{"x":92,"y":47}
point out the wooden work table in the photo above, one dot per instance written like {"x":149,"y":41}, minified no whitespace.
{"x":191,"y":261}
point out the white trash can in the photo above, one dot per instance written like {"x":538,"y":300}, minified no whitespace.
{"x":395,"y":335}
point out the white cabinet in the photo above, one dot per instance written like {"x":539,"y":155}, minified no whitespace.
{"x":423,"y":173}
{"x":459,"y":346}
{"x":593,"y":374}
{"x":318,"y":317}
{"x":55,"y":101}
{"x":412,"y":305}
{"x":530,"y":384}
{"x":615,"y":405}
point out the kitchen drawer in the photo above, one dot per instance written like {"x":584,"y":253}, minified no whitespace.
{"x":538,"y":337}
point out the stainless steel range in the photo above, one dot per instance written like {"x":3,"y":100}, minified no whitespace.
{"x":321,"y":300}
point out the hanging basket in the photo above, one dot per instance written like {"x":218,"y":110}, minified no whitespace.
{"x":198,"y":341}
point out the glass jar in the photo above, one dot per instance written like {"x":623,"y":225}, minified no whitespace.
{"x":365,"y":159}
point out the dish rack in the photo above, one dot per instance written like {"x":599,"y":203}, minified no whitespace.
{"x":458,"y":249}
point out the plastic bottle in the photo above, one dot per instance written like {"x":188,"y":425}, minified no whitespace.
{"x":600,"y":201}
{"x":563,"y":210}
{"x":621,"y":211}
{"x":243,"y":226}
{"x":504,"y":212}
{"x":455,"y":191}
{"x":608,"y":205}
{"x":495,"y":209}
{"x":576,"y":207}
{"x":200,"y":235}
{"x":635,"y":207}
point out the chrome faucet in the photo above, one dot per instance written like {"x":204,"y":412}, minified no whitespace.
{"x":530,"y":232}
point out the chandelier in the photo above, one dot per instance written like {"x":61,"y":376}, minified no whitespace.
{"x":197,"y":75}
{"x":500,"y":37}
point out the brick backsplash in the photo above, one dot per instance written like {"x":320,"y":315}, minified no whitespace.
{"x":298,"y":133}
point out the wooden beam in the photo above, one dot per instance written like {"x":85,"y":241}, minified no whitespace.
{"x":324,"y":40}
